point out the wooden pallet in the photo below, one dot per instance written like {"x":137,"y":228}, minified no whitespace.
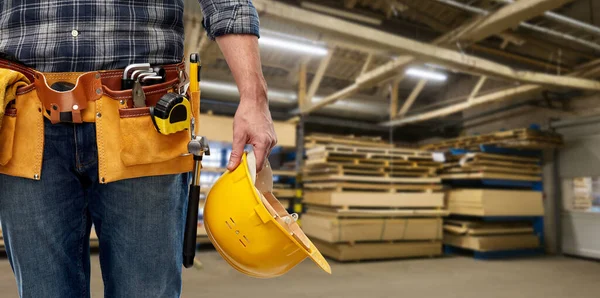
{"x":319,"y":139}
{"x":349,"y":186}
{"x":518,"y":138}
{"x":480,"y":175}
{"x":359,"y":178}
{"x":492,"y":169}
{"x":351,"y":212}
{"x":379,"y":250}
{"x":480,"y":228}
{"x":367,"y":152}
{"x":375,"y":199}
{"x":375,"y":172}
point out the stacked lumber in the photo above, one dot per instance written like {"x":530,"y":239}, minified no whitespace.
{"x":492,"y":166}
{"x":583,"y":193}
{"x":316,"y":139}
{"x":523,"y":138}
{"x":490,"y":236}
{"x":372,"y":202}
{"x":495,"y":202}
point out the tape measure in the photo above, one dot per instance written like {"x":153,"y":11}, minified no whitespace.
{"x":171,"y":114}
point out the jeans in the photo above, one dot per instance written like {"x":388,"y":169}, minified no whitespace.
{"x":46,"y":224}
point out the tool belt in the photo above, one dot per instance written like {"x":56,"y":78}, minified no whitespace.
{"x":129,"y":145}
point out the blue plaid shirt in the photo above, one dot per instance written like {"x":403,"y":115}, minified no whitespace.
{"x":87,"y":35}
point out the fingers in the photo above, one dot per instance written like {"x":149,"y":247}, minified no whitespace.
{"x":236,"y":152}
{"x":261,"y":152}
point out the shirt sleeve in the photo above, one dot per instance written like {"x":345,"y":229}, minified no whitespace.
{"x":223,"y":17}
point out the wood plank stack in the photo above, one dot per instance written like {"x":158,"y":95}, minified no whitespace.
{"x":492,"y":166}
{"x":495,"y":202}
{"x":583,"y":193}
{"x":490,"y":236}
{"x":372,"y":202}
{"x":523,"y":138}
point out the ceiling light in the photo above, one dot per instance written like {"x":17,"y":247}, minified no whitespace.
{"x":293,"y":46}
{"x":290,"y":96}
{"x":426,"y":74}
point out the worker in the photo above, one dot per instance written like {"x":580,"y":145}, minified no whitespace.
{"x":97,"y":171}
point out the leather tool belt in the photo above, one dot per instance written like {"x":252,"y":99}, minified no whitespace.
{"x":128,"y":144}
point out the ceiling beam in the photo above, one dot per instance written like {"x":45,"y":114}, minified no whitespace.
{"x":477,"y":87}
{"x":498,"y":96}
{"x":466,"y":63}
{"x":412,"y":97}
{"x":509,"y":16}
{"x":316,"y":81}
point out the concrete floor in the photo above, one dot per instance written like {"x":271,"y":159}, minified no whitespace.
{"x":462,"y":277}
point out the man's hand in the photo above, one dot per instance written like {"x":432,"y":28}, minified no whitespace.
{"x":252,"y":123}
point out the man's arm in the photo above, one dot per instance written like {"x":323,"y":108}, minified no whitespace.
{"x":234,"y":25}
{"x":252,"y":123}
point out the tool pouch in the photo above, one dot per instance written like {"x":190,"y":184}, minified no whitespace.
{"x":22,"y":136}
{"x":129,"y":145}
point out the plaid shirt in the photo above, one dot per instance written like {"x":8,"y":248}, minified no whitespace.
{"x":87,"y":35}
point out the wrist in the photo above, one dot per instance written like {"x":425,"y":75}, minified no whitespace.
{"x":254,"y":90}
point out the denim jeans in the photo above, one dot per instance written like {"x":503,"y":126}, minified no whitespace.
{"x":46,"y":224}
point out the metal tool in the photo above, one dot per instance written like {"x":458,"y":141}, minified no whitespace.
{"x":136,"y":73}
{"x":139,"y":98}
{"x":126,"y":82}
{"x":151,"y":80}
{"x":198,"y":146}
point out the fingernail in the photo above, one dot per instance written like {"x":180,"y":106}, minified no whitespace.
{"x":230,"y":164}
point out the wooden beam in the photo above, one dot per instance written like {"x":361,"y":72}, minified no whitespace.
{"x":302,"y":102}
{"x":394,"y":98}
{"x":384,"y":71}
{"x":367,"y":64}
{"x":477,"y":87}
{"x":524,"y":90}
{"x":350,"y":3}
{"x":341,"y":13}
{"x":412,"y":97}
{"x":510,"y":16}
{"x":352,"y":89}
{"x":314,"y":85}
{"x":431,"y":53}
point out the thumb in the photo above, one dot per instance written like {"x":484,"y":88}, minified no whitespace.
{"x":236,"y":153}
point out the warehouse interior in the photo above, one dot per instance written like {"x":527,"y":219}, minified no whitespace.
{"x":429,"y":147}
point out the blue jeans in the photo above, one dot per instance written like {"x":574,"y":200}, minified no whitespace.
{"x":46,"y":224}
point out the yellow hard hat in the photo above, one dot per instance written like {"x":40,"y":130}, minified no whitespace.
{"x":250,"y":228}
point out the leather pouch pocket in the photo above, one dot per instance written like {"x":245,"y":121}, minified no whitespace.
{"x":129,"y":146}
{"x":22,"y":137}
{"x":7,"y":136}
{"x":142,"y":144}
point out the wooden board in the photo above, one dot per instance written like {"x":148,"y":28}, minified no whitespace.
{"x":519,"y":138}
{"x":364,"y":153}
{"x":284,"y":193}
{"x":492,"y":243}
{"x":493,"y":169}
{"x":349,"y":186}
{"x":372,"y":199}
{"x":477,"y":176}
{"x":357,"y":178}
{"x":491,"y":202}
{"x":334,"y":230}
{"x":481,"y":228}
{"x":314,"y":139}
{"x":219,"y":128}
{"x":373,"y":213}
{"x":376,"y":251}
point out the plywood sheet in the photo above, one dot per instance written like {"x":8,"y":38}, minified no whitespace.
{"x":375,"y":199}
{"x":220,"y":129}
{"x":335,"y":230}
{"x":375,"y":251}
{"x":490,"y":202}
{"x":374,"y":213}
{"x":492,"y":243}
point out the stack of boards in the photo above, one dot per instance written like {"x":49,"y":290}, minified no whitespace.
{"x":523,"y":138}
{"x":366,"y":200}
{"x":492,"y":166}
{"x":490,"y":236}
{"x":583,"y":193}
